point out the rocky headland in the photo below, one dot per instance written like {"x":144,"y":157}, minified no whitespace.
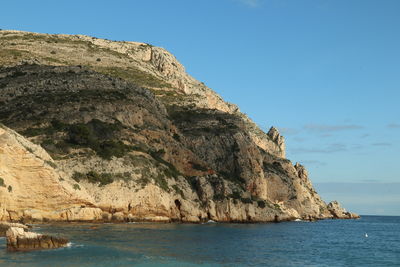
{"x":98,"y":130}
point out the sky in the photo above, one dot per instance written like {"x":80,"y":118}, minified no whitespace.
{"x":324,"y":72}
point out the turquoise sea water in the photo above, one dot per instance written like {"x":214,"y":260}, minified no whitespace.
{"x":323,"y":243}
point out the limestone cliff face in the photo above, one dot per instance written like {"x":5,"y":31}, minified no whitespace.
{"x":31,"y":188}
{"x":131,"y":136}
{"x":36,"y":190}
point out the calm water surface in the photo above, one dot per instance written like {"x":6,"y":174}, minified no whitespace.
{"x":323,"y":243}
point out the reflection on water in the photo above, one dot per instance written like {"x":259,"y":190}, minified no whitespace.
{"x":324,"y":243}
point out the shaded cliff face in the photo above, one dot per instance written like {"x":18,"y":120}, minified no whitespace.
{"x":134,"y":137}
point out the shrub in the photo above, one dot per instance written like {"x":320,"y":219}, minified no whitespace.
{"x":144,"y":181}
{"x":157,"y":154}
{"x":133,"y":75}
{"x":77,"y":187}
{"x":94,"y":177}
{"x":178,"y":190}
{"x":103,"y":178}
{"x":198,"y":167}
{"x":10,"y":188}
{"x":140,"y":148}
{"x":261,"y":204}
{"x":78,"y":176}
{"x":97,"y":135}
{"x":171,"y":171}
{"x":246,"y":200}
{"x":62,"y":146}
{"x":108,"y":149}
{"x":235,"y":195}
{"x":176,"y":137}
{"x":218,"y":197}
{"x":234,"y":178}
{"x":58,"y":125}
{"x":161,"y":182}
{"x":51,"y":164}
{"x":32,"y":132}
{"x":2,"y":182}
{"x":193,"y":182}
{"x":18,"y":73}
{"x":79,"y":134}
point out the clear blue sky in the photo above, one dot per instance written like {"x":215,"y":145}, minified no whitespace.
{"x":326,"y":72}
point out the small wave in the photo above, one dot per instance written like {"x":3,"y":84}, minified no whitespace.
{"x":73,"y":245}
{"x":211,"y":221}
{"x":298,"y":220}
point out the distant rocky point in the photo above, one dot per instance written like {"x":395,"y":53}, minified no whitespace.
{"x":98,"y":130}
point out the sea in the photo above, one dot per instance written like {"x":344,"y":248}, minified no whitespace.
{"x":369,"y":241}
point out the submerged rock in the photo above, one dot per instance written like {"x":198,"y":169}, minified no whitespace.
{"x":19,"y":240}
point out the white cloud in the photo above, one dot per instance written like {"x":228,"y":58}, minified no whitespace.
{"x":331,"y":128}
{"x":312,"y":162}
{"x":336,"y":147}
{"x":393,"y":125}
{"x":288,"y":131}
{"x":382,"y":144}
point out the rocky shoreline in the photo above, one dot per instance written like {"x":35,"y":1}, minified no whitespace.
{"x":19,"y":238}
{"x":96,"y":215}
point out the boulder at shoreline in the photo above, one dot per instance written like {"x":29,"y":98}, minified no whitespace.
{"x":19,"y":240}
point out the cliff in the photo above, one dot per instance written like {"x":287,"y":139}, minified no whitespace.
{"x":119,"y":131}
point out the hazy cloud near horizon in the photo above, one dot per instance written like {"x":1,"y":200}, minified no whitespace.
{"x":324,"y":129}
{"x":381,"y":144}
{"x":335,"y":147}
{"x":365,"y":198}
{"x":393,"y":125}
{"x":312,"y":162}
{"x":331,"y":128}
{"x":288,"y":131}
